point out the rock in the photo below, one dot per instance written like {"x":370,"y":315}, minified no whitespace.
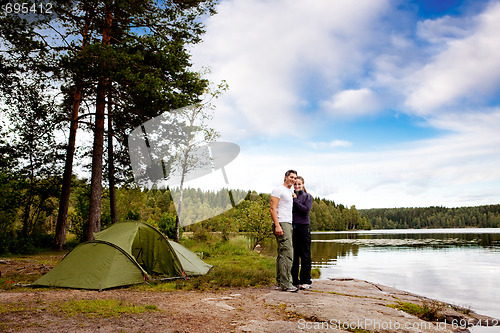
{"x":350,"y":304}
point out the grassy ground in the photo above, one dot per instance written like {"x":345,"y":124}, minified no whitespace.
{"x":20,"y":270}
{"x":235,"y":265}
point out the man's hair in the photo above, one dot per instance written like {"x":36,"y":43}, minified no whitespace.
{"x":289,"y":172}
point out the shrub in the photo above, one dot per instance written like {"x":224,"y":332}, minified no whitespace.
{"x":166,"y":225}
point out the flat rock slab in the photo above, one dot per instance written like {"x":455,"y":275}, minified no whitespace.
{"x":351,"y":304}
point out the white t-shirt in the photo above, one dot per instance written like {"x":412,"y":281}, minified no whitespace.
{"x":285,"y":204}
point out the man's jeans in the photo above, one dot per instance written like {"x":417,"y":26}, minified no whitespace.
{"x":285,"y":256}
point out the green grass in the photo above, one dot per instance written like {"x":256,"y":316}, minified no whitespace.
{"x":29,"y":268}
{"x":426,"y":311}
{"x":358,"y":330}
{"x":315,"y":273}
{"x":90,"y":308}
{"x":234,"y":266}
{"x":237,"y":245}
{"x":12,"y":307}
{"x":102,"y":308}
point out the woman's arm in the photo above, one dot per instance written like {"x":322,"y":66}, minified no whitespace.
{"x":303,"y":203}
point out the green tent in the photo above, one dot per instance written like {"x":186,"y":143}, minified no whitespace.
{"x":124,"y":254}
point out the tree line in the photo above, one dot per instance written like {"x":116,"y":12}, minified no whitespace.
{"x":206,"y":211}
{"x":325,"y":215}
{"x":487,"y":216}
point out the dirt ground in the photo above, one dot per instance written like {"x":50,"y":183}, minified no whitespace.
{"x":35,"y":310}
{"x":179,"y":311}
{"x":331,"y":306}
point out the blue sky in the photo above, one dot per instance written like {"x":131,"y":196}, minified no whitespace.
{"x":376,"y":103}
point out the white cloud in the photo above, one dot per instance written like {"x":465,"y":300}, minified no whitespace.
{"x":468,"y":69}
{"x":270,"y":51}
{"x":352,"y":103}
{"x":331,"y":144}
{"x":458,"y":169}
{"x":444,"y":29}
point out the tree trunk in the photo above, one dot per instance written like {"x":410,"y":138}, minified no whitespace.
{"x":111,"y":164}
{"x":177,"y":234}
{"x":62,"y":217}
{"x":97,"y":153}
{"x":26,"y":222}
{"x":94,"y":224}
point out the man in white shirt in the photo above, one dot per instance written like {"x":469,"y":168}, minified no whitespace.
{"x":281,"y":214}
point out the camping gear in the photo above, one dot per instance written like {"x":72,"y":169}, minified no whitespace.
{"x":124,"y":254}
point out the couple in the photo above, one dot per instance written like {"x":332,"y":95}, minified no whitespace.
{"x":290,"y":215}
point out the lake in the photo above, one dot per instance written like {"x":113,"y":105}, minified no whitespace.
{"x":458,"y":266}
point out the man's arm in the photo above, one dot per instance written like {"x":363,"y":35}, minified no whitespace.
{"x":274,"y":215}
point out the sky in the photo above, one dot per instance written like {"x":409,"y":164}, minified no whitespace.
{"x":376,"y":103}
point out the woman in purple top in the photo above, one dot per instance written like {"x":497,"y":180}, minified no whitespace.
{"x":302,"y":203}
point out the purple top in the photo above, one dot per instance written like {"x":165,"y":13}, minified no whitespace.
{"x":301,"y":207}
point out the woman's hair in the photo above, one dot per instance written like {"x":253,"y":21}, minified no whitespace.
{"x":303,"y":182}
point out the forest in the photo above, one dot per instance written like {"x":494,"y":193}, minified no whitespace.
{"x":75,"y":82}
{"x":154,"y":206}
{"x":487,"y":216}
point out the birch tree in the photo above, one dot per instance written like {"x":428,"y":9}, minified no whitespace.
{"x":196,"y":133}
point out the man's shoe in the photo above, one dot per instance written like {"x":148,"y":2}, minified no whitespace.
{"x":291,"y":289}
{"x":305,"y":286}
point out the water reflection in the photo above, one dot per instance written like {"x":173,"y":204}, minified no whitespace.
{"x":464,"y":237}
{"x":328,"y":252}
{"x":459,"y":266}
{"x":328,"y":246}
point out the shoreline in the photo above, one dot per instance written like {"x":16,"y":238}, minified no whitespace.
{"x":336,"y":305}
